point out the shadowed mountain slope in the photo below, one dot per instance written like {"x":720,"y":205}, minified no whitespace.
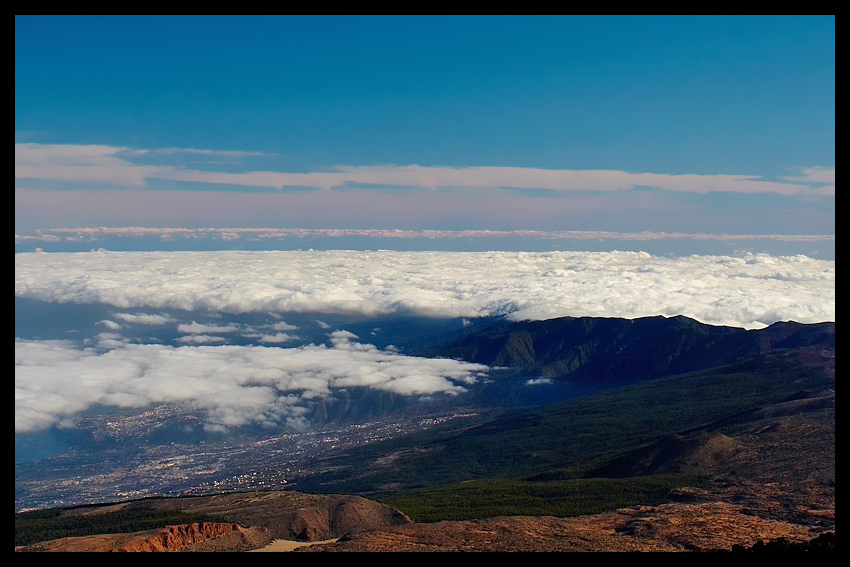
{"x":611,"y":350}
{"x":569,"y":439}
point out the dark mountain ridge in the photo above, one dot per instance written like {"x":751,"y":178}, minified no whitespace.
{"x":610,"y":351}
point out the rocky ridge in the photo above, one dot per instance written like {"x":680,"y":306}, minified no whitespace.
{"x":168,"y":538}
{"x":256,"y":518}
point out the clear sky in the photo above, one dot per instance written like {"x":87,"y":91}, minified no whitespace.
{"x":683,"y":124}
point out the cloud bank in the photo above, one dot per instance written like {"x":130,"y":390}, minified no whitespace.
{"x":749,"y":291}
{"x":230,"y":385}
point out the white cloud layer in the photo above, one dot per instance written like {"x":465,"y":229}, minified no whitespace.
{"x":278,"y":338}
{"x":194,"y":328}
{"x":231,"y":385}
{"x":144,"y":318}
{"x":200,"y":339}
{"x":750,"y":291}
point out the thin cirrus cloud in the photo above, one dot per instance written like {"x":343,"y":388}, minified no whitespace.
{"x":824,"y":175}
{"x":113,"y":165}
{"x":89,"y":234}
{"x":198,"y":151}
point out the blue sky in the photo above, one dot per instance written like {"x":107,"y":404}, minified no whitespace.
{"x":683,"y":124}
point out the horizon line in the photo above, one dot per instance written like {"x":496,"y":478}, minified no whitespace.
{"x":271,"y":232}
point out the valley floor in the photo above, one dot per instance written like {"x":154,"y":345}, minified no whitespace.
{"x":279,"y":545}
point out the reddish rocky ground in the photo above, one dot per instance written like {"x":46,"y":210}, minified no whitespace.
{"x":759,"y":515}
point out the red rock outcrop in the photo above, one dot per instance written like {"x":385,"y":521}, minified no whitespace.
{"x":174,"y":538}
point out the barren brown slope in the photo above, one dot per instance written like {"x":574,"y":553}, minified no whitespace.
{"x":294,"y":515}
{"x":256,"y":518}
{"x":773,"y":476}
{"x":669,"y":527}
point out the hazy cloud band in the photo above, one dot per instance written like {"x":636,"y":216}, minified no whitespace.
{"x":113,"y":165}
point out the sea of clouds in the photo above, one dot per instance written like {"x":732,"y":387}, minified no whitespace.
{"x":262,"y":384}
{"x":749,"y":291}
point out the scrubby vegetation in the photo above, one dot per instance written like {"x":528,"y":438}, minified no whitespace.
{"x":501,"y":497}
{"x":42,"y":525}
